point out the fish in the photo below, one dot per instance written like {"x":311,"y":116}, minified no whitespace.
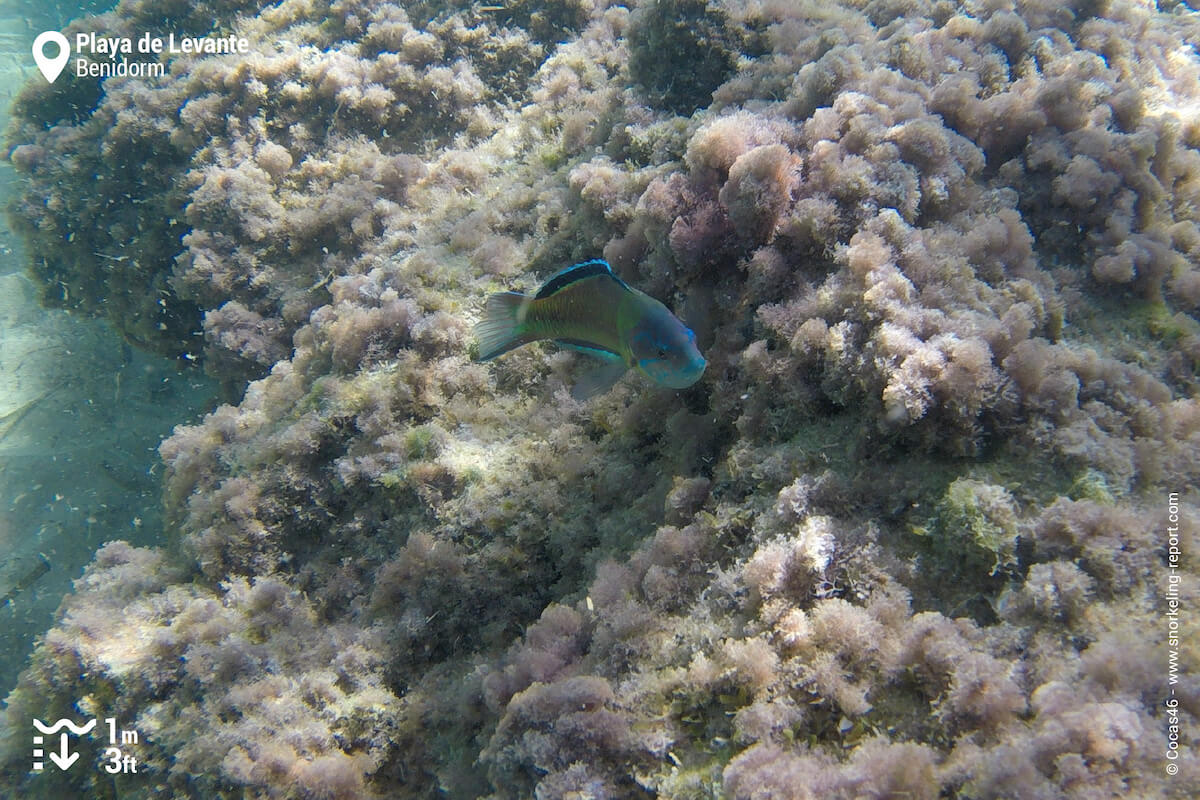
{"x":587,"y":308}
{"x":25,"y":578}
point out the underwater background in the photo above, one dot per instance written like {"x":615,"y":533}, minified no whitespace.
{"x":926,"y":526}
{"x":81,"y":412}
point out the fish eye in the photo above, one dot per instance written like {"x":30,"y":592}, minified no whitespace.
{"x":662,"y":352}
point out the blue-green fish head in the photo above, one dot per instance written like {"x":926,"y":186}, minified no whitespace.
{"x":664,"y":349}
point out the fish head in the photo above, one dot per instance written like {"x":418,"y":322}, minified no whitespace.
{"x":664,"y":349}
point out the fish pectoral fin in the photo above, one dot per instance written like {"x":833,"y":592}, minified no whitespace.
{"x":599,"y":380}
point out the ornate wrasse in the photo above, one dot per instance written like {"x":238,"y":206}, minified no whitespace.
{"x":588,"y":308}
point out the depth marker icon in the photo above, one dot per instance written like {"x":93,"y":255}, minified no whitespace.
{"x":64,"y":758}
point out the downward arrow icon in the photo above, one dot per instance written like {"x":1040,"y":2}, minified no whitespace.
{"x":64,"y":758}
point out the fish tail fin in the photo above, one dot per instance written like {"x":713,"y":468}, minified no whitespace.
{"x":502,"y":327}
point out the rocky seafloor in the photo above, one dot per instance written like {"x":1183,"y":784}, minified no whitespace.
{"x":910,"y":536}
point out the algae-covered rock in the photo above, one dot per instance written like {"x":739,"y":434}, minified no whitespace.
{"x":897,"y":229}
{"x":681,"y":51}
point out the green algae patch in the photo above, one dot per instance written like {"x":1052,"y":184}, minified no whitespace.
{"x":1092,"y":485}
{"x":975,"y":522}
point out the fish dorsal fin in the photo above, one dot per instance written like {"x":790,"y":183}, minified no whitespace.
{"x":597,"y":267}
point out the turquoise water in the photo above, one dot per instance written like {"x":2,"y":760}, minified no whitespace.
{"x":80,"y":423}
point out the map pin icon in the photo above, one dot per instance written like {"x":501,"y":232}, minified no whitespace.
{"x":51,"y":67}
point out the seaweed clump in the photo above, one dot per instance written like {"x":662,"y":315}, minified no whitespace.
{"x":680,"y":52}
